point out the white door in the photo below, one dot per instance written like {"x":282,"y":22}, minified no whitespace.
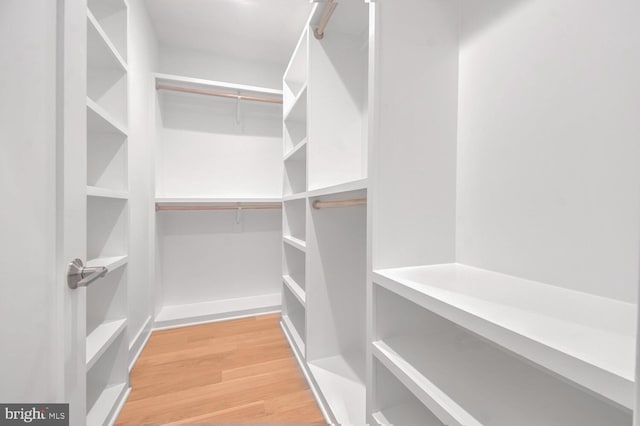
{"x":43,"y":214}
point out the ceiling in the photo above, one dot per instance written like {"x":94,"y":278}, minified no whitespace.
{"x":262,"y":30}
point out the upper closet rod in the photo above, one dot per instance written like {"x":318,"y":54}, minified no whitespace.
{"x":207,"y":208}
{"x":219,"y":94}
{"x":324,"y":21}
{"x":339,"y":203}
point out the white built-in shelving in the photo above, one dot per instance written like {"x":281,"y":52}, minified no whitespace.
{"x":107,"y":379}
{"x":324,"y":271}
{"x":218,"y":198}
{"x":531,"y":319}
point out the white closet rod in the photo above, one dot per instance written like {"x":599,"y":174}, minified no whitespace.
{"x":219,"y":94}
{"x":212,"y":208}
{"x":324,"y":21}
{"x":340,"y":203}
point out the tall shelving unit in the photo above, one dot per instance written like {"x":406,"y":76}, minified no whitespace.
{"x":324,"y":249}
{"x":107,"y":209}
{"x":477,"y":313}
{"x":218,"y":201}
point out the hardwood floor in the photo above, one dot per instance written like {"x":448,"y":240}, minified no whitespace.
{"x":240,"y":371}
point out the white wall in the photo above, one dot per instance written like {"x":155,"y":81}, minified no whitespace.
{"x":549,"y":100}
{"x":29,"y":290}
{"x":194,"y":63}
{"x":143,"y":53}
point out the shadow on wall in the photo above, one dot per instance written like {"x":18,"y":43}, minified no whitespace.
{"x":210,"y":114}
{"x":478,"y":16}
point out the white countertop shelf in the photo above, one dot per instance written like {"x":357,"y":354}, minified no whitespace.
{"x":295,"y":242}
{"x":295,"y":288}
{"x":587,"y":339}
{"x":200,"y":83}
{"x":354,"y":185}
{"x":94,"y":191}
{"x":99,"y":340}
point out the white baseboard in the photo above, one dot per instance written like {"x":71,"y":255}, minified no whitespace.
{"x":174,"y":316}
{"x":139,"y":342}
{"x":317,"y":394}
{"x":122,"y":400}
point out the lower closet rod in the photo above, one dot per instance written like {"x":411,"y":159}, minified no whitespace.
{"x":203,"y":208}
{"x":339,"y":203}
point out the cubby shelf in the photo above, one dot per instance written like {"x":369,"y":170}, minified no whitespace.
{"x":445,"y":408}
{"x":107,"y":402}
{"x":100,"y":121}
{"x":100,"y":339}
{"x":343,"y":390}
{"x":295,"y":242}
{"x":298,"y":109}
{"x":292,"y":197}
{"x":100,"y":49}
{"x":94,"y":191}
{"x":298,"y":153}
{"x":531,"y":319}
{"x":295,"y":288}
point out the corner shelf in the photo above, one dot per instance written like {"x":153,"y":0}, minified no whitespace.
{"x":94,"y":191}
{"x":101,"y":338}
{"x":295,"y":288}
{"x":531,"y":319}
{"x":295,"y":242}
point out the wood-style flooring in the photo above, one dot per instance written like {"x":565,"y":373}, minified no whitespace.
{"x":240,"y":371}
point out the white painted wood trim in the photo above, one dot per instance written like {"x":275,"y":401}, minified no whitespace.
{"x":139,"y":342}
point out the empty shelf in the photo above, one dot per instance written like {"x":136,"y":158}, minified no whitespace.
{"x":297,"y":291}
{"x":107,"y":403}
{"x":101,"y":51}
{"x":337,"y":189}
{"x":94,"y":191}
{"x":298,"y":153}
{"x":100,"y":121}
{"x":100,"y":339}
{"x":591,"y":344}
{"x":342,"y":388}
{"x":295,"y":242}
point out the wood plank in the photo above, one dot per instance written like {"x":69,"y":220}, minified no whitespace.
{"x":228,"y":372}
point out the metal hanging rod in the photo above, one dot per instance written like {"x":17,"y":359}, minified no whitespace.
{"x":219,"y":94}
{"x":212,"y":208}
{"x":339,"y":203}
{"x":318,"y":32}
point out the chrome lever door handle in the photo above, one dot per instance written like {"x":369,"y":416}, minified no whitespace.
{"x":79,"y":275}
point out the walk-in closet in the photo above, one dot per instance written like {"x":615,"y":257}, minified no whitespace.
{"x":345,"y":212}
